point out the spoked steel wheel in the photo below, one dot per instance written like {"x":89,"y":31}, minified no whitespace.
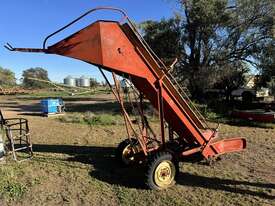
{"x":162,"y":171}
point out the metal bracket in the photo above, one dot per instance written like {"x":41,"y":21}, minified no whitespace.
{"x":9,"y":47}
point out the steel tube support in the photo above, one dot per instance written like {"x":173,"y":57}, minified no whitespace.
{"x":161,"y":112}
{"x":143,"y":146}
{"x":171,"y":133}
{"x":121,"y":104}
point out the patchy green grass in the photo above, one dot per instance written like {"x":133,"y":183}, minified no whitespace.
{"x":92,"y":119}
{"x":10,"y":187}
{"x":67,"y":94}
{"x":74,"y":164}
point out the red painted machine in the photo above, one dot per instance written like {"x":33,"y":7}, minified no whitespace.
{"x":119,"y":48}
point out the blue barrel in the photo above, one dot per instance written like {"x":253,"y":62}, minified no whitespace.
{"x":50,"y":105}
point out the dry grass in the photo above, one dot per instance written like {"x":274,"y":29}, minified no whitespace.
{"x":74,"y":164}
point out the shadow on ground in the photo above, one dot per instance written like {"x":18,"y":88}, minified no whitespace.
{"x":106,"y":168}
{"x":249,"y":123}
{"x":227,"y":185}
{"x":26,"y":108}
{"x":107,"y":107}
{"x":102,"y":107}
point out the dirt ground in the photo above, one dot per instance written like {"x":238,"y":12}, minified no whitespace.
{"x":74,"y":164}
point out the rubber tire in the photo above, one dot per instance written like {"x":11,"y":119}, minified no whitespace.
{"x":153,"y":161}
{"x":119,"y":150}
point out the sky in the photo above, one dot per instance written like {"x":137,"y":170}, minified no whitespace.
{"x":25,"y":23}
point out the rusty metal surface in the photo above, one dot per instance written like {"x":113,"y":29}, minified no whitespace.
{"x":224,"y":146}
{"x":84,"y":45}
{"x":120,"y":49}
{"x":105,"y":43}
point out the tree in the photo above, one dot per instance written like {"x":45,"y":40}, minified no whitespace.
{"x":231,"y":78}
{"x":93,"y":82}
{"x":214,"y":35}
{"x":271,"y":86}
{"x":266,"y":65}
{"x":7,"y":78}
{"x":38,"y":73}
{"x":163,"y":37}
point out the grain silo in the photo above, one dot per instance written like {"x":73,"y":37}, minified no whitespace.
{"x":70,"y":81}
{"x":77,"y":81}
{"x":85,"y":81}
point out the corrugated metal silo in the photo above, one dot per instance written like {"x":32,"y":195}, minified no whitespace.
{"x":70,"y":81}
{"x":77,"y":80}
{"x":85,"y":81}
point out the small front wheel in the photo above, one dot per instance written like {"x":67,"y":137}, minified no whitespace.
{"x":125,"y":152}
{"x":162,"y":171}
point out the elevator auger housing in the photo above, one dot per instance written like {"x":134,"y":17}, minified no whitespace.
{"x":119,"y":48}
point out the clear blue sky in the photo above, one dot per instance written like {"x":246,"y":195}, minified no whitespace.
{"x":25,"y":23}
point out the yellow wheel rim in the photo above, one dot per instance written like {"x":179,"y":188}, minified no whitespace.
{"x":165,"y":174}
{"x":127,"y":155}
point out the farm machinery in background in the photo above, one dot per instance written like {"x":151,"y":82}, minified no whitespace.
{"x":117,"y":46}
{"x":13,"y":91}
{"x":247,"y":92}
{"x":71,"y":90}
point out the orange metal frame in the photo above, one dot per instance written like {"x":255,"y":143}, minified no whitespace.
{"x":119,"y":48}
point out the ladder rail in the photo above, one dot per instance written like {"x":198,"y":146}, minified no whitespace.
{"x":179,"y":87}
{"x":154,"y":57}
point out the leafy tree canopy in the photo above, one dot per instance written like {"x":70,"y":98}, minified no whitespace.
{"x":7,"y":78}
{"x":214,"y":40}
{"x":93,"y":82}
{"x":38,"y":73}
